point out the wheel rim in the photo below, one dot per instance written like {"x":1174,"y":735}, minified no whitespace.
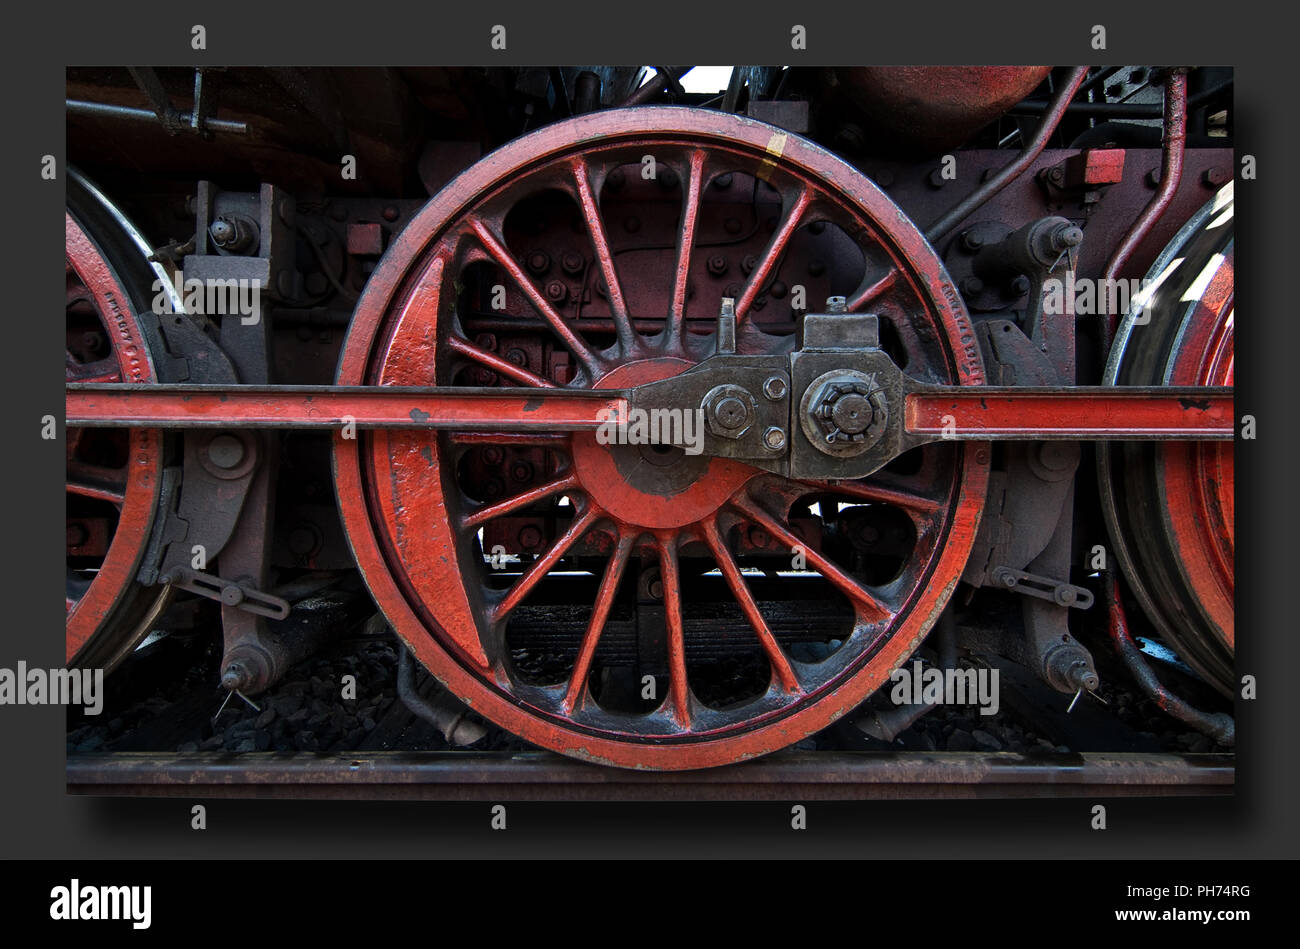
{"x":1170,"y":506}
{"x":409,"y":498}
{"x":112,"y":476}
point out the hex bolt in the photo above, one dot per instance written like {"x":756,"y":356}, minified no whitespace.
{"x":571,"y":262}
{"x":557,"y":291}
{"x":518,"y":357}
{"x":1214,"y":177}
{"x":530,"y":538}
{"x":775,"y":388}
{"x":972,"y":241}
{"x":774,"y":438}
{"x":759,"y":537}
{"x":1020,"y":285}
{"x":539,"y":261}
{"x":748,"y":263}
{"x":226,"y":451}
{"x":717,"y":265}
{"x":972,"y":286}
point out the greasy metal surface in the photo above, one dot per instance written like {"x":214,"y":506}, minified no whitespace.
{"x":787,"y":775}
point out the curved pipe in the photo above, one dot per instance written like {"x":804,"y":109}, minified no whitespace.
{"x":1218,"y":725}
{"x":1171,"y":173}
{"x":442,"y":714}
{"x":942,"y":227}
{"x":888,"y":724}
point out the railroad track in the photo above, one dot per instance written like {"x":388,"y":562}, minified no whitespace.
{"x":543,"y":776}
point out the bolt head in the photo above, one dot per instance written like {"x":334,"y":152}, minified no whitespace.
{"x":774,"y":438}
{"x":775,"y":388}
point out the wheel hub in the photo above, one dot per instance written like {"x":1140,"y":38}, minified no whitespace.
{"x":652,"y":486}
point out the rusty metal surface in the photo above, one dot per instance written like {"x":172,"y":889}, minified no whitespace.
{"x":931,"y":108}
{"x":788,"y":775}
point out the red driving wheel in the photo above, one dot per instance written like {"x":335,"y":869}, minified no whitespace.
{"x":644,"y":555}
{"x":112,"y":474}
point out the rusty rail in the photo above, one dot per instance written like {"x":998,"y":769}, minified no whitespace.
{"x":788,"y":775}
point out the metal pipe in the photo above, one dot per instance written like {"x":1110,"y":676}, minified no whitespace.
{"x":444,"y":714}
{"x":942,"y":227}
{"x":663,"y":79}
{"x":1218,"y":725}
{"x":1122,"y":110}
{"x":888,"y":724}
{"x":1171,"y":173}
{"x":103,"y":111}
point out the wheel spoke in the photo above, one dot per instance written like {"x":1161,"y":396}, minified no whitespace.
{"x":540,"y":567}
{"x":875,"y":609}
{"x":494,"y":362}
{"x":775,"y":248}
{"x":599,"y":615}
{"x":115,"y":496}
{"x":600,"y":243}
{"x":731,"y":572}
{"x":685,"y":244}
{"x":507,"y":262}
{"x":915,"y":504}
{"x":521,"y":500}
{"x":679,"y":687}
{"x":872,"y":291}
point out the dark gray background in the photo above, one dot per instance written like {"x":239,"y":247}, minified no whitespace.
{"x":37,"y":818}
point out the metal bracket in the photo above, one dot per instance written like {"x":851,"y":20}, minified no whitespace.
{"x":1045,"y":588}
{"x":228,"y":593}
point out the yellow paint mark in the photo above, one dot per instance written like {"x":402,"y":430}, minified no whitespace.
{"x":775,"y":148}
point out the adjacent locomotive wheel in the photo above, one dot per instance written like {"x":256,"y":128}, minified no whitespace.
{"x":113,"y":475}
{"x":1169,"y":506}
{"x":676,"y":566}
